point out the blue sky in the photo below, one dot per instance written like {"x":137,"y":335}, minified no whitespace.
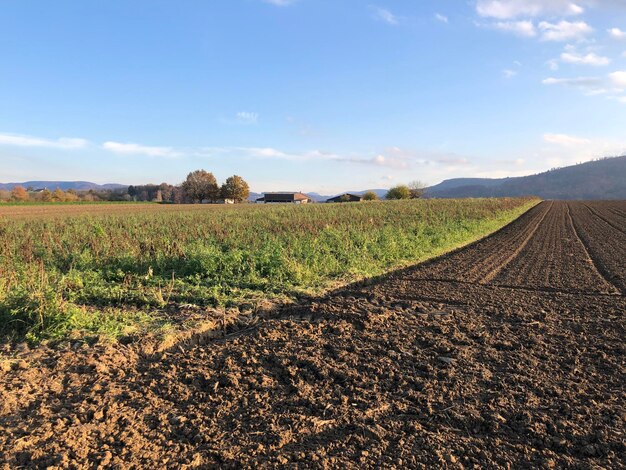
{"x":312,"y":95}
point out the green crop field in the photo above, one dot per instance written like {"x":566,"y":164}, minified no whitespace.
{"x":112,"y":270}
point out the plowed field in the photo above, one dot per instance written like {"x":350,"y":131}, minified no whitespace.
{"x":507,"y":353}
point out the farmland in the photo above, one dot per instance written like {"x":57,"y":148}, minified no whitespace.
{"x":115,"y":270}
{"x":508,"y":353}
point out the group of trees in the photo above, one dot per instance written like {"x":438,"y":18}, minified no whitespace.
{"x":199,"y":186}
{"x":413,"y":190}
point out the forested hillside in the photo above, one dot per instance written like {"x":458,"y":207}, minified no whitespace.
{"x":599,"y":179}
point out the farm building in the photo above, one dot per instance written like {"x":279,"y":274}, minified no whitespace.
{"x":346,"y":198}
{"x":218,"y":201}
{"x":284,"y":198}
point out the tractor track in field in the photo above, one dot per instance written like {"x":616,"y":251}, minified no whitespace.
{"x":598,"y":265}
{"x":508,"y":353}
{"x":487,"y":256}
{"x":597,"y":213}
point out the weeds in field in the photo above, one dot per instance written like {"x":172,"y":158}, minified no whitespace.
{"x":112,"y":273}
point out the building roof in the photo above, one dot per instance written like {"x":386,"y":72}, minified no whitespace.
{"x":351,"y":197}
{"x":285,"y":197}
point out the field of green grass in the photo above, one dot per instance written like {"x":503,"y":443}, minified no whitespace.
{"x":122,"y":269}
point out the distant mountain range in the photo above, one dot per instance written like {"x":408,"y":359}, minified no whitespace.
{"x":598,"y":179}
{"x":64,"y":185}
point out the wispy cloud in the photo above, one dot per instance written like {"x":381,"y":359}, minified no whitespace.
{"x":507,"y":9}
{"x":564,"y":30}
{"x":379,"y":160}
{"x":553,"y":64}
{"x":246,"y":117}
{"x":393,"y":158}
{"x":580,"y":82}
{"x":546,"y":31}
{"x":612,"y":84}
{"x":137,"y":149}
{"x":591,"y":58}
{"x":384,"y":15}
{"x":520,"y":28}
{"x":63,"y":143}
{"x":565,"y":149}
{"x":280,"y":3}
{"x":401,"y":159}
{"x":442,"y":18}
{"x":565,"y":140}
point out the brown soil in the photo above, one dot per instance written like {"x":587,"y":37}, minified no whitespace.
{"x":508,"y":353}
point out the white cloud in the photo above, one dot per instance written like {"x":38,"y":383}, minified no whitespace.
{"x":137,"y":149}
{"x":29,"y":141}
{"x":384,"y":15}
{"x":508,"y":73}
{"x":566,"y":150}
{"x":440,"y":17}
{"x":591,"y":58}
{"x":521,"y":28}
{"x":263,"y":153}
{"x":618,"y":78}
{"x":565,"y":140}
{"x":617,"y":33}
{"x":591,"y":86}
{"x":246,"y":117}
{"x":280,"y":3}
{"x":382,"y":160}
{"x":564,"y":30}
{"x":507,"y":9}
{"x":583,"y":82}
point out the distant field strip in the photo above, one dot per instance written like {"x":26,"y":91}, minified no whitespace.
{"x":121,"y":268}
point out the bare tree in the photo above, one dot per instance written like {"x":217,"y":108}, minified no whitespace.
{"x":417,"y":189}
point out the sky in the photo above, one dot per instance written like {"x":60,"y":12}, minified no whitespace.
{"x":308,"y":95}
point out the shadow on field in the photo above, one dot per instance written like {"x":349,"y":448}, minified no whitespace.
{"x":305,"y":308}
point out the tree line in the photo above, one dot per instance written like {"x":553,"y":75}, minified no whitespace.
{"x":21,"y":194}
{"x":199,"y":186}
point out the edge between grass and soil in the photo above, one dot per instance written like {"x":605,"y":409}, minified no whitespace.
{"x":57,"y":319}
